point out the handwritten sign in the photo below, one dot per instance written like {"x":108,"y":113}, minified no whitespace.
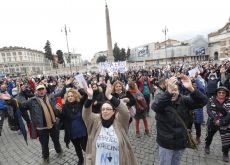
{"x":111,"y":67}
{"x":81,"y":80}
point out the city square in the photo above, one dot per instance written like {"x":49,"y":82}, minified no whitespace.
{"x":73,"y":72}
{"x":15,"y":151}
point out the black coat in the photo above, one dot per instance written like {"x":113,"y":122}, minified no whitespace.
{"x":170,"y":132}
{"x":99,"y":97}
{"x":126,"y":94}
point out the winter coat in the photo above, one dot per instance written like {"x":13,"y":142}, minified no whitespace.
{"x":99,"y":97}
{"x":126,"y":94}
{"x":3,"y":105}
{"x":141,"y":85}
{"x":217,"y":111}
{"x":198,"y":113}
{"x":66,"y":117}
{"x":220,"y":112}
{"x":171,"y":134}
{"x":212,"y":86}
{"x":94,"y":124}
{"x":36,"y":111}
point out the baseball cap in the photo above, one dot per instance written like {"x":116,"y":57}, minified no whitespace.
{"x":40,"y":87}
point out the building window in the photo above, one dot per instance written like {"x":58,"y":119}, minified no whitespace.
{"x":3,"y":54}
{"x":8,"y":54}
{"x":14,"y":53}
{"x":19,"y":53}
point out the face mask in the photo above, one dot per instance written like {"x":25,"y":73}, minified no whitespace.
{"x":14,"y":93}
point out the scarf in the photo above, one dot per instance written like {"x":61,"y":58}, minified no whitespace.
{"x":133,"y":91}
{"x":109,"y":122}
{"x":72,"y":106}
{"x":220,"y":100}
{"x":48,"y":111}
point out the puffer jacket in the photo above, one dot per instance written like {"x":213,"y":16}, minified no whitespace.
{"x":171,"y":134}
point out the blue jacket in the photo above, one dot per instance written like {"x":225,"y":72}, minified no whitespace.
{"x":2,"y":104}
{"x":199,"y":116}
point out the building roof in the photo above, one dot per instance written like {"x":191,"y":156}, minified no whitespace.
{"x":226,"y":27}
{"x":10,"y":48}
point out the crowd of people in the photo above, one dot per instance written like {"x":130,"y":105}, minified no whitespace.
{"x":95,"y":114}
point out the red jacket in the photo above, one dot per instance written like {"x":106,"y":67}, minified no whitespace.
{"x":141,"y":85}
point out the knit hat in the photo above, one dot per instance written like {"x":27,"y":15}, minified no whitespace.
{"x":223,"y":88}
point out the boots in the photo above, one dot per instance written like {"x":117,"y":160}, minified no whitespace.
{"x":80,"y":158}
{"x":197,"y":140}
{"x":147,"y":133}
{"x":80,"y":162}
{"x":45,"y":161}
{"x":138,"y":135}
{"x":207,"y":149}
{"x":60,"y":154}
{"x":225,"y":158}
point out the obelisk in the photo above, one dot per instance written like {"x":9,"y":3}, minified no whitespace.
{"x":110,"y":56}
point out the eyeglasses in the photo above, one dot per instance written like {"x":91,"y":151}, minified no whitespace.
{"x":107,"y":109}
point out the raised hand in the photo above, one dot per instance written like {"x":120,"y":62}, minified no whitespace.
{"x":186,"y":81}
{"x":88,"y":90}
{"x":5,"y":96}
{"x":125,"y":100}
{"x":69,"y":81}
{"x":108,"y":90}
{"x":171,"y":84}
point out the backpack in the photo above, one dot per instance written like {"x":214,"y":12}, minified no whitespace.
{"x":141,"y":104}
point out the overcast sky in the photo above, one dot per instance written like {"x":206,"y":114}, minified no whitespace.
{"x":29,"y":23}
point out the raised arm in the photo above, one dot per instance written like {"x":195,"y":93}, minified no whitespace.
{"x":87,"y":114}
{"x":196,"y":99}
{"x":122,"y":111}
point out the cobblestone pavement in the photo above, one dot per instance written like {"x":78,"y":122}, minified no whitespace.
{"x":14,"y":151}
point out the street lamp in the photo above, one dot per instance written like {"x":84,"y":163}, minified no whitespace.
{"x":68,"y":58}
{"x":165,"y":30}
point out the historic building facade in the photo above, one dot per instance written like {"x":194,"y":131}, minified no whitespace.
{"x":219,"y":43}
{"x":98,"y":54}
{"x":75,"y":60}
{"x":171,"y":51}
{"x":18,"y":60}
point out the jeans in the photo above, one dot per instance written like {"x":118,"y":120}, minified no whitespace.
{"x":44,"y":140}
{"x":170,"y":157}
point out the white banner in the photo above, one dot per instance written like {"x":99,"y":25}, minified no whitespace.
{"x":111,"y":67}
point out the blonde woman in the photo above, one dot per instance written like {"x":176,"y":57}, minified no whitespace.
{"x":74,"y":126}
